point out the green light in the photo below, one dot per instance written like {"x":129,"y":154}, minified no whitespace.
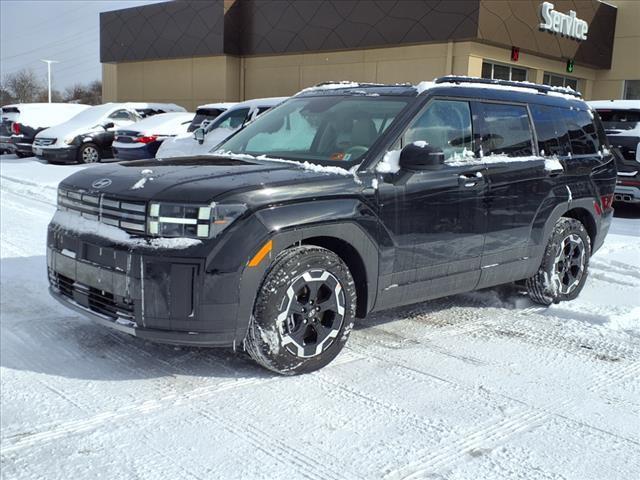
{"x":570,"y":65}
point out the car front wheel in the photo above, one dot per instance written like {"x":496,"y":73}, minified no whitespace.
{"x":303,"y":313}
{"x":563,"y":271}
{"x":89,"y":153}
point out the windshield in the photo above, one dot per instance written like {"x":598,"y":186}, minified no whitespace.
{"x":328,"y":130}
{"x":620,"y":119}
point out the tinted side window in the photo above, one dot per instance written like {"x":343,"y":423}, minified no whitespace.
{"x":582,"y":132}
{"x":506,"y":130}
{"x":553,"y":137}
{"x":231,"y":119}
{"x":444,"y":124}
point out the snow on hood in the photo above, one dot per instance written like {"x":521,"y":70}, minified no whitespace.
{"x":42,"y":115}
{"x":312,"y":167}
{"x":162,"y":124}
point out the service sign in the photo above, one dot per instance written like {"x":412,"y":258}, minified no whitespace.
{"x":567,"y":24}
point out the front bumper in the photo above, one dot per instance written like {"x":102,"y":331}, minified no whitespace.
{"x":156,"y":294}
{"x":21,"y":146}
{"x":57,"y":155}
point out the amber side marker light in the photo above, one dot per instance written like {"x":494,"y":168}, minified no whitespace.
{"x":263,"y":252}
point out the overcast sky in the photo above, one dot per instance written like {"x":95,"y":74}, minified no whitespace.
{"x":67,"y":31}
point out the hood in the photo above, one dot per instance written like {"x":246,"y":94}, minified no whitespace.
{"x":202,"y":179}
{"x":68,"y":129}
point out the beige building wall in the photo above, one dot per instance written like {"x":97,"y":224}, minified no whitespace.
{"x":625,"y":61}
{"x":193,"y":81}
{"x":187,"y":81}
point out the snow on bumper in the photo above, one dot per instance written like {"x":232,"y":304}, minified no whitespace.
{"x":153,"y":294}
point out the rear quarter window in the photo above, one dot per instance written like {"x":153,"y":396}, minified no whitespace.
{"x":553,"y":135}
{"x":582,"y":132}
{"x":505,"y":130}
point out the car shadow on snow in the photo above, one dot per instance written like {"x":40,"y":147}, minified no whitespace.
{"x":40,"y":335}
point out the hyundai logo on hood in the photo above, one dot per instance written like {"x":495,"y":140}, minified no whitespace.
{"x":101,"y":183}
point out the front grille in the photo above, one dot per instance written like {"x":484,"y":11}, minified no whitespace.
{"x":44,"y":142}
{"x":127,"y":215}
{"x":96,"y":300}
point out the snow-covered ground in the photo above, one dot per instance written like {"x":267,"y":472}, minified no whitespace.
{"x":478,"y":386}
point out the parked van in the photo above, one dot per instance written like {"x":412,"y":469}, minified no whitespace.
{"x":621,"y":119}
{"x":23,"y":121}
{"x":87,"y":137}
{"x":209,"y":135}
{"x":344,"y":200}
{"x":142,"y":139}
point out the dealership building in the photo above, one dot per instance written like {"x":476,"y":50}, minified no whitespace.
{"x":196,"y":52}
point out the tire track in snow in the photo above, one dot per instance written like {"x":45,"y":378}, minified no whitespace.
{"x":494,"y":432}
{"x":65,"y":429}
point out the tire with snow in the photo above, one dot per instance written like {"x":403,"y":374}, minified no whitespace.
{"x":22,"y":155}
{"x":303,"y":313}
{"x":89,"y":153}
{"x":565,"y":264}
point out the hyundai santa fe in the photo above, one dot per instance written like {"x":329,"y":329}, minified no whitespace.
{"x":344,"y":200}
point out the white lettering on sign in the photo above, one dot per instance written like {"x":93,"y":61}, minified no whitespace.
{"x":565,"y":24}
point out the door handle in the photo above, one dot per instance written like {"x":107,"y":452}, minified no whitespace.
{"x":471,"y":179}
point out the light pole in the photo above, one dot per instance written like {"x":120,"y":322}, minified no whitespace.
{"x":49,"y":62}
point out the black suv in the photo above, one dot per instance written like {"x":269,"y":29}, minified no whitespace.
{"x":344,"y":200}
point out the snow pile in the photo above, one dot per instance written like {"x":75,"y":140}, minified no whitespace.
{"x":552,"y":164}
{"x":312,"y":167}
{"x":73,"y":222}
{"x":44,"y":115}
{"x":390,"y":163}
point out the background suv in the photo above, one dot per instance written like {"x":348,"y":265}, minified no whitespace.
{"x":343,"y":200}
{"x":621,"y":119}
{"x":22,"y":122}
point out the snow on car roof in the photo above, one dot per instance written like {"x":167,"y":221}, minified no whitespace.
{"x":223,"y":105}
{"x":39,"y":115}
{"x":261,"y":102}
{"x":163,"y":123}
{"x":616,"y":104}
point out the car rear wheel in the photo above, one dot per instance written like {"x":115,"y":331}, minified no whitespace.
{"x":303,"y":313}
{"x":89,"y":153}
{"x":564,"y":267}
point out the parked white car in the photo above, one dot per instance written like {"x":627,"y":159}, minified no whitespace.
{"x":88,"y":136}
{"x":142,"y":139}
{"x":21,"y":122}
{"x":218,"y":130}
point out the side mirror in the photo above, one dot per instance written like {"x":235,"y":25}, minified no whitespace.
{"x":107,"y":125}
{"x":421,"y":156}
{"x":198,"y":134}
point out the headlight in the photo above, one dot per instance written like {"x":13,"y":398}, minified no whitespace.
{"x":195,"y":221}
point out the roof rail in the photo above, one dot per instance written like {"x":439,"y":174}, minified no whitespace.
{"x":508,"y":83}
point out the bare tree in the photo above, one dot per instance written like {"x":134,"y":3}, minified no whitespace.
{"x":5,"y":95}
{"x":90,"y":94}
{"x":24,"y":85}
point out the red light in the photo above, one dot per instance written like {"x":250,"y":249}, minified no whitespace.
{"x":15,"y":128}
{"x":515,"y":53}
{"x":146,"y":139}
{"x":607,"y":202}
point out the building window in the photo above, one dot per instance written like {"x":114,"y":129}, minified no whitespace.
{"x":560,"y":81}
{"x":498,"y":71}
{"x":632,"y":90}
